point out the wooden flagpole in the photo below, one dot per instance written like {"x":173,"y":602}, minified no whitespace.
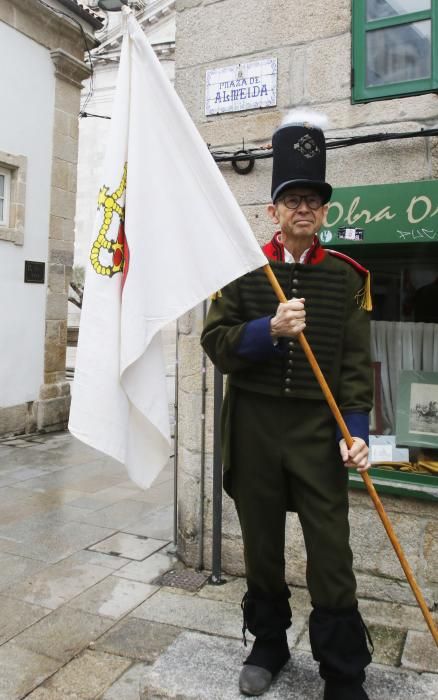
{"x":365,"y":476}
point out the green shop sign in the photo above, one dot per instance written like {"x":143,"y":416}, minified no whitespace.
{"x":406,"y":212}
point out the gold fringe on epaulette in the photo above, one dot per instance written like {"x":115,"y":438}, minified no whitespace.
{"x":216,"y":295}
{"x":363,"y":296}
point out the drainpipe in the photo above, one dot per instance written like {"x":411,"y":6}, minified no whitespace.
{"x":175,"y":445}
{"x":200,"y":564}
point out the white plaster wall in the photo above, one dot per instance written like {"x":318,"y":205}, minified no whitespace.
{"x":162,"y":32}
{"x":26,"y":125}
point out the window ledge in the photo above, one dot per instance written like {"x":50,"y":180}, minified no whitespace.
{"x":421,"y":486}
{"x":12,"y":235}
{"x":17,"y":167}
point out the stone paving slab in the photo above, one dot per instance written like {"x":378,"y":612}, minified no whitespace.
{"x":84,"y":678}
{"x":200,"y":667}
{"x":7,"y":481}
{"x":24,"y":473}
{"x":16,"y":457}
{"x":104,"y":497}
{"x":232,"y":591}
{"x":16,"y":616}
{"x":129,"y":546}
{"x":9,"y":495}
{"x":159,"y":493}
{"x":53,"y":462}
{"x":89,"y":476}
{"x":58,"y":541}
{"x":28,"y":524}
{"x":52,"y":496}
{"x":158,"y":524}
{"x":108,"y":561}
{"x":57,"y":584}
{"x":62,"y":634}
{"x":202,"y":614}
{"x":165,"y":474}
{"x":148,"y":569}
{"x":129,"y":485}
{"x":22,"y":670}
{"x":13,"y":513}
{"x":113,"y":597}
{"x":67,"y":513}
{"x":116,"y":515}
{"x":137,"y":639}
{"x":15,"y":568}
{"x":128,"y":686}
{"x":191,"y":612}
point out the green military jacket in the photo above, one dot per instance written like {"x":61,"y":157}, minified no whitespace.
{"x":337,"y":329}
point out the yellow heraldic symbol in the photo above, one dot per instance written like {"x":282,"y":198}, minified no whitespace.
{"x":118,"y":248}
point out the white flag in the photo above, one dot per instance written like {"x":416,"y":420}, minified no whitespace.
{"x":168,"y":234}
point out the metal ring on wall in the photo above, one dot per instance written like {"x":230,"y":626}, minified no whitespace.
{"x":243,"y":167}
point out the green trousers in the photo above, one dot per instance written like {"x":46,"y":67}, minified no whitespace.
{"x":284,"y":455}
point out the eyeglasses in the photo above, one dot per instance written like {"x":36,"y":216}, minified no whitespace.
{"x":293,"y":201}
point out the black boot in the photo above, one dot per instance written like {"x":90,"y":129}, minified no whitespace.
{"x":349,"y":691}
{"x":339,"y":642}
{"x":267,"y":618}
{"x":266,"y":659}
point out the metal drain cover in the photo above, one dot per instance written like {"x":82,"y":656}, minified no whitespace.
{"x":188,"y":579}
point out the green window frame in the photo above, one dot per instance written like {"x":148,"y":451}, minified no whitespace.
{"x":389,"y":238}
{"x":361,"y":28}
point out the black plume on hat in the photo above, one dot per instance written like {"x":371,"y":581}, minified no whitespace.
{"x":299,"y":154}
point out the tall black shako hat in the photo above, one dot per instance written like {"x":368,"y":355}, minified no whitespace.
{"x":298,"y":147}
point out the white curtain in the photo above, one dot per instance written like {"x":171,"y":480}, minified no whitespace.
{"x":401,"y":346}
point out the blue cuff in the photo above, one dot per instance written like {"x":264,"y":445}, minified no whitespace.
{"x":357,"y":424}
{"x":256,"y":340}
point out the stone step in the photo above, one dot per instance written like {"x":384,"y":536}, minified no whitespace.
{"x":204,"y":667}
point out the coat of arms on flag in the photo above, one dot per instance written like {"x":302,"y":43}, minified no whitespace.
{"x":113,"y":205}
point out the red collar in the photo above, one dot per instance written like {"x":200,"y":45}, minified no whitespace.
{"x":274,"y":250}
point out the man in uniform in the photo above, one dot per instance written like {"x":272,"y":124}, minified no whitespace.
{"x":281,"y":446}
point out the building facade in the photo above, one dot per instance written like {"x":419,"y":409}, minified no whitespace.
{"x":42,"y":47}
{"x":371,"y":66}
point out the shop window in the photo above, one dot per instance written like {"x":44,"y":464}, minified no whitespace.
{"x":404,"y":350}
{"x":395,"y":48}
{"x":12,"y":197}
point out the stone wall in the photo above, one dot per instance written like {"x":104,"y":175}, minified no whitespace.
{"x":313,"y":49}
{"x":54,"y":400}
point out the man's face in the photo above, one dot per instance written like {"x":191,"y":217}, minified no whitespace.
{"x":303,"y":221}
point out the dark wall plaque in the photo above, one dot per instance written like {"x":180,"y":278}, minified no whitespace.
{"x":34,"y":271}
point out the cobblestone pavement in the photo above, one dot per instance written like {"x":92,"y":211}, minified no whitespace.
{"x":84,"y":612}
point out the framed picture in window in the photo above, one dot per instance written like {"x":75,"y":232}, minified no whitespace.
{"x":417,"y":409}
{"x":376,"y":422}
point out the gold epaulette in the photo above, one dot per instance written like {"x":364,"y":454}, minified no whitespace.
{"x":216,"y":295}
{"x":363,"y":296}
